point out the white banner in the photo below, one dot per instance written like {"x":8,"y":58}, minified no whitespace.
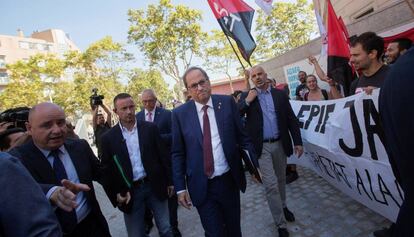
{"x":344,"y":143}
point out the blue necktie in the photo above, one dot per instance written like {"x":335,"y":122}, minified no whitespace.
{"x":68,"y":220}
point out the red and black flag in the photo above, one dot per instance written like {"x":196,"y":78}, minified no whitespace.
{"x":338,"y":51}
{"x":235,"y":18}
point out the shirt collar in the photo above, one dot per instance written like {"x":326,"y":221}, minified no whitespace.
{"x":124,"y":129}
{"x":152,"y":111}
{"x":46,"y":153}
{"x":264,"y":91}
{"x":199,"y":106}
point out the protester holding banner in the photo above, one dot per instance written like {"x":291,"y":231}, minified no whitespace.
{"x":315,"y":93}
{"x":270,"y":122}
{"x":398,"y":124}
{"x":366,"y":53}
{"x":301,"y":89}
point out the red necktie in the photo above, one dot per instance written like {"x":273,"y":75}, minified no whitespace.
{"x":207,"y":147}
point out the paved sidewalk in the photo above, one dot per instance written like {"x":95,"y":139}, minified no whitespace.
{"x":319,"y":208}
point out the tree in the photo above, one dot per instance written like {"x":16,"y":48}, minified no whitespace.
{"x":169,"y":36}
{"x":219,"y":55}
{"x":151,"y":78}
{"x":289,"y":26}
{"x":33,"y":81}
{"x":101,"y":66}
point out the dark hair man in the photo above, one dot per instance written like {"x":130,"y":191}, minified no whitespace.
{"x":138,"y":165}
{"x":206,"y":162}
{"x":100,"y":126}
{"x":301,"y":89}
{"x":397,"y":48}
{"x":271,"y":130}
{"x":366,"y":53}
{"x":59,"y":165}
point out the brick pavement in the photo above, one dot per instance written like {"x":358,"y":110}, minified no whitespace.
{"x":319,"y":208}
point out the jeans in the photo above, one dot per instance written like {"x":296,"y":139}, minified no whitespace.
{"x":134,"y":221}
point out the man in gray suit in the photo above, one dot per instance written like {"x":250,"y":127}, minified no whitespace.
{"x":25,"y":210}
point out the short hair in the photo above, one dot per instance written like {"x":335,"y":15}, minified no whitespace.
{"x":190,"y":69}
{"x":151,"y":91}
{"x":403,"y":43}
{"x":121,"y":96}
{"x":303,"y":72}
{"x":370,"y":41}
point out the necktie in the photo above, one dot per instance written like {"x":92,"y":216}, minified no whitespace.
{"x":207,"y":147}
{"x":68,"y":220}
{"x":149,"y":117}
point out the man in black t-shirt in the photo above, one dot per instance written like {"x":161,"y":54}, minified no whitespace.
{"x":366,"y":53}
{"x":301,"y":89}
{"x":100,"y":126}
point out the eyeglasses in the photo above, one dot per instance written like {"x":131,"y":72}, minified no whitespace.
{"x":201,"y":83}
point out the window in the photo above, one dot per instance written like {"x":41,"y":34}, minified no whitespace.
{"x":4,"y":78}
{"x":364,"y":13}
{"x":23,"y":45}
{"x":2,"y":61}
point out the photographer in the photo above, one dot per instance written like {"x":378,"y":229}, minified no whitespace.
{"x":100,"y":126}
{"x":12,"y":127}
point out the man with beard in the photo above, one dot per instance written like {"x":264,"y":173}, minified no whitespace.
{"x":397,"y":48}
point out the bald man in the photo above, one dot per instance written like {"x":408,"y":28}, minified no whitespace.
{"x":270,"y":123}
{"x":64,"y":168}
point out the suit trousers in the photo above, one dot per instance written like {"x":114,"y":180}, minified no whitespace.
{"x":220,"y":212}
{"x":89,"y":227}
{"x":134,"y":221}
{"x":273,"y":168}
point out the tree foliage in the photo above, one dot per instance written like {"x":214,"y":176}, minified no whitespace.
{"x":169,"y":36}
{"x":140,"y":80}
{"x":68,"y":81}
{"x":290,"y":25}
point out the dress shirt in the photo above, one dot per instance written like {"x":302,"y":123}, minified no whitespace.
{"x":152,"y":115}
{"x":132,"y":142}
{"x":270,"y":127}
{"x":83,"y":209}
{"x":220,"y":162}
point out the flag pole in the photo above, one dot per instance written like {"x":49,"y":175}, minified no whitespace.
{"x":234,"y":50}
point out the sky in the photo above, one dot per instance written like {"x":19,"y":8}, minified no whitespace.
{"x":87,"y":21}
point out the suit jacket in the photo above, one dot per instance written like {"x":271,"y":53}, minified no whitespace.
{"x":287,"y":121}
{"x":86,"y":164}
{"x":187,"y":149}
{"x":154,"y":156}
{"x":162,"y":118}
{"x":25,"y":210}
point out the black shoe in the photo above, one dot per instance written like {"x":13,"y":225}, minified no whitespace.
{"x":148,"y":227}
{"x":176,"y":232}
{"x":288,"y":215}
{"x":384,"y":232}
{"x":283,"y":232}
{"x":291,"y":177}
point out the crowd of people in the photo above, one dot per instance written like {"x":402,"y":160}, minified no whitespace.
{"x":152,"y":161}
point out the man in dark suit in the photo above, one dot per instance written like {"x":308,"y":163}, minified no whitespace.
{"x":25,"y":210}
{"x":138,"y":167}
{"x":162,"y":118}
{"x":64,"y":168}
{"x":206,"y":132}
{"x":270,"y":122}
{"x":396,"y":109}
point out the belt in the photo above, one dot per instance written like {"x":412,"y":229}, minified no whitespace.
{"x":271,"y":140}
{"x":139,"y":182}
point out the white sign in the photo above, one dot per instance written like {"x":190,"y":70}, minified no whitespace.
{"x":344,"y":143}
{"x":291,"y":73}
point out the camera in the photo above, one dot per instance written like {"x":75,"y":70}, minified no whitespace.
{"x":18,"y":116}
{"x":95,"y":99}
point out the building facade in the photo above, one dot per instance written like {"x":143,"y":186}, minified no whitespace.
{"x":19,"y":47}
